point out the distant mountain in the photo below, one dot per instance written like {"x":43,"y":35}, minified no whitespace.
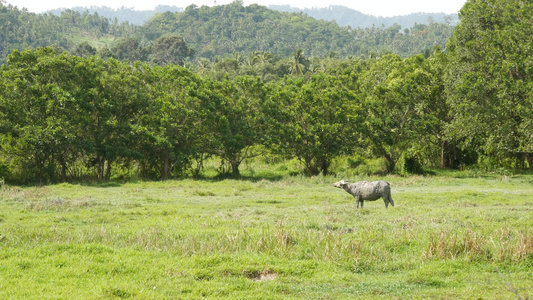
{"x":345,"y":16}
{"x":342,"y":15}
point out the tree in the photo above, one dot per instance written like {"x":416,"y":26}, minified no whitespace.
{"x":84,"y":49}
{"x":129,"y":49}
{"x":171,"y":49}
{"x":298,"y":63}
{"x":105,"y":53}
{"x":116,"y":106}
{"x":238,"y":121}
{"x":174,"y":129}
{"x":437,"y":111}
{"x":45,"y":98}
{"x":397,"y":100}
{"x":315,"y":121}
{"x":490,"y":79}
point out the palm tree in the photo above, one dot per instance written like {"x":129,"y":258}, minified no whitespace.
{"x":239,"y":58}
{"x":204,"y":65}
{"x":262,"y":57}
{"x":298,"y":62}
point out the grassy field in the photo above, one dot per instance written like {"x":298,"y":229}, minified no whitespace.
{"x":449,"y":237}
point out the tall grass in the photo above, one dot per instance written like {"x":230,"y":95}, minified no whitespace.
{"x":292,"y":237}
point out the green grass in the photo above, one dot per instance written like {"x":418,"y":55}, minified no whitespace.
{"x":449,"y":237}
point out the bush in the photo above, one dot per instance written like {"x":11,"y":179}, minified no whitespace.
{"x":412,"y":165}
{"x":4,"y":170}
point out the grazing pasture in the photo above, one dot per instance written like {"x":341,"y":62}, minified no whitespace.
{"x":448,"y":237}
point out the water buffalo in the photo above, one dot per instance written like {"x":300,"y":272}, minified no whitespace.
{"x":367,"y":190}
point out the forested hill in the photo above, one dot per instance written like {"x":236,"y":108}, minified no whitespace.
{"x":218,"y":31}
{"x":20,"y":29}
{"x":344,"y":16}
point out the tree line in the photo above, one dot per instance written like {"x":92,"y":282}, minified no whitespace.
{"x":62,"y":113}
{"x":64,"y":116}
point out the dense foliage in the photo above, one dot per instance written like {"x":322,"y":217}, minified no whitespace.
{"x":66,"y":116}
{"x":212,"y":32}
{"x":20,"y":29}
{"x":490,"y":78}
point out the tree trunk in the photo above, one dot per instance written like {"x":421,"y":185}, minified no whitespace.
{"x":448,"y":155}
{"x":165,"y":169}
{"x":100,"y":168}
{"x":235,"y":168}
{"x":108,"y":169}
{"x":63,"y":171}
{"x":390,"y":164}
{"x":442,"y":160}
{"x":310,"y":168}
{"x":325,"y":166}
{"x":199,"y":165}
{"x":529,"y":158}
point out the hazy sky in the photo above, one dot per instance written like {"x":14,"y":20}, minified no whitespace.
{"x":373,"y":7}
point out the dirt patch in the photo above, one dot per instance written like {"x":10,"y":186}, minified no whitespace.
{"x":262,"y":276}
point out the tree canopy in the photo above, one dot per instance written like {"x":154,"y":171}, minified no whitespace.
{"x":490,"y":78}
